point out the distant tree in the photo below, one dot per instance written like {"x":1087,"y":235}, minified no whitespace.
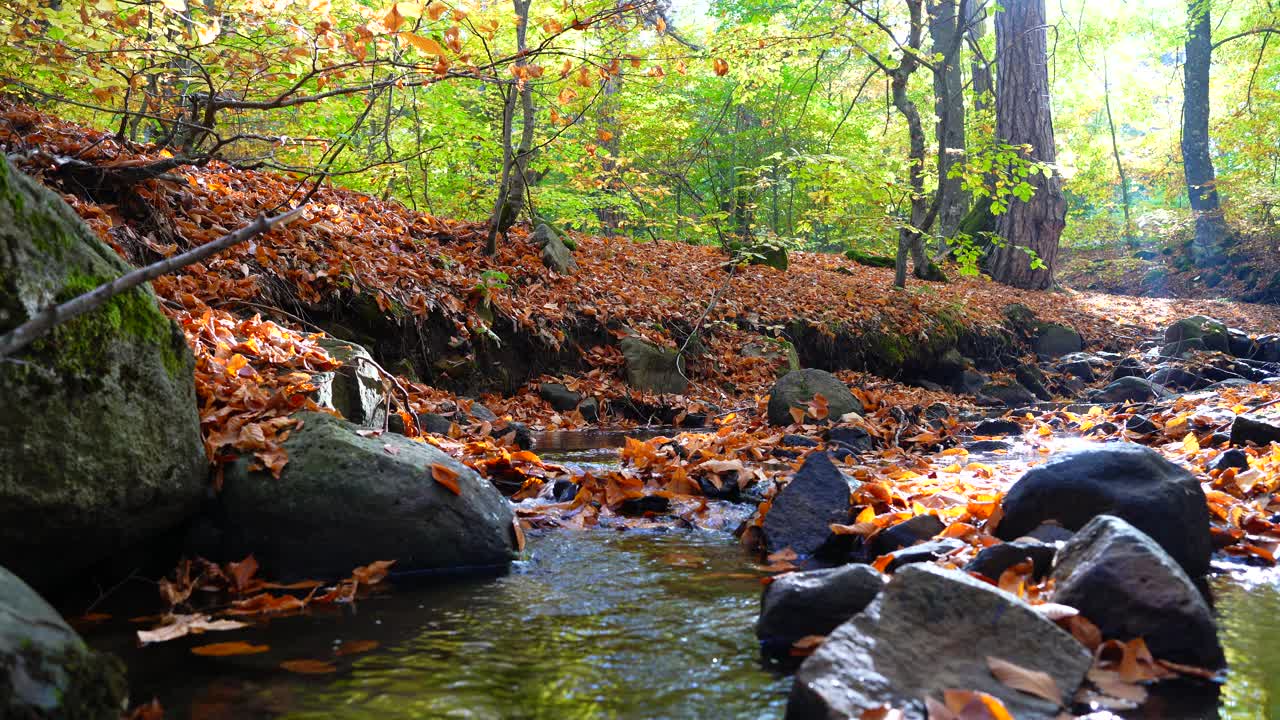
{"x":947,"y":25}
{"x":1197,"y":164}
{"x":1030,"y":228}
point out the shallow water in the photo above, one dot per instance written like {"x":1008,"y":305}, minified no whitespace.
{"x":599,"y":624}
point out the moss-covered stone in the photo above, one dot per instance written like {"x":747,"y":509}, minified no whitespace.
{"x":100,"y":447}
{"x":46,"y":671}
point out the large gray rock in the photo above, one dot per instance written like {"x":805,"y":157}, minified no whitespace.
{"x":555,"y":254}
{"x":796,"y":389}
{"x":356,"y":389}
{"x":1212,"y":334}
{"x":799,"y":604}
{"x":1132,"y":389}
{"x":46,"y":671}
{"x":1255,"y":430}
{"x":801,"y":515}
{"x":100,"y":443}
{"x":652,"y":368}
{"x":1054,"y":340}
{"x":345,"y":500}
{"x":1127,"y":480}
{"x":1121,"y":580}
{"x":931,"y":630}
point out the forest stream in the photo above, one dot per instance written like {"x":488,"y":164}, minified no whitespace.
{"x":605,"y":623}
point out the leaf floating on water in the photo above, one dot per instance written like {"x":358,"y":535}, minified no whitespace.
{"x":519,"y":534}
{"x":309,"y":667}
{"x":181,"y":625}
{"x":1032,"y":682}
{"x":447,"y":477}
{"x":228,"y":649}
{"x":373,"y":573}
{"x":355,"y":647}
{"x":884,"y":712}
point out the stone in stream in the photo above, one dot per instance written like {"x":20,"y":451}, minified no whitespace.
{"x":1122,"y":479}
{"x":46,"y":670}
{"x":1129,"y":367}
{"x":1054,"y":340}
{"x":924,"y":552}
{"x":1131,"y":389}
{"x":802,"y":513}
{"x":1031,"y":377}
{"x":987,"y":446}
{"x":997,"y":427}
{"x":1080,"y":365}
{"x":1178,"y":378}
{"x":1254,"y":429}
{"x":1121,"y":580}
{"x":994,"y":560}
{"x":799,"y":604}
{"x":345,"y":500}
{"x":356,"y":389}
{"x":653,"y":368}
{"x":561,"y":398}
{"x":931,"y":630}
{"x":904,"y":534}
{"x":1140,"y":424}
{"x":1212,"y":334}
{"x":797,"y":389}
{"x":1233,"y":458}
{"x":1006,"y":392}
{"x":101,"y":447}
{"x":854,"y":438}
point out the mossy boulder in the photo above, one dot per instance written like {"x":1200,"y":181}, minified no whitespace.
{"x":653,"y":368}
{"x":555,"y":254}
{"x":869,"y":259}
{"x":101,"y":443}
{"x":46,"y":671}
{"x":345,"y":500}
{"x":1183,"y":334}
{"x":771,"y":256}
{"x":798,"y":388}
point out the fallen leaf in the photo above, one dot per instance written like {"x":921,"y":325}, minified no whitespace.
{"x":447,"y":477}
{"x":309,"y":667}
{"x":355,"y":647}
{"x":1032,"y":682}
{"x":226,"y":649}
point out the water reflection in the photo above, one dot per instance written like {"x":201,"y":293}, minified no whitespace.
{"x":1249,"y":627}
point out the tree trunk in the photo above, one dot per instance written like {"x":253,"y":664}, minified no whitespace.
{"x":514,"y":181}
{"x":1023,"y":117}
{"x":1211,"y":229}
{"x":979,"y":68}
{"x":945,"y":32}
{"x":610,"y":216}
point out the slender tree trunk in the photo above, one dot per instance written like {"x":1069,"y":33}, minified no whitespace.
{"x":945,"y":29}
{"x":1024,"y":117}
{"x":1115,"y":151}
{"x":1211,"y":229}
{"x":609,"y":132}
{"x":979,"y":68}
{"x":514,"y":182}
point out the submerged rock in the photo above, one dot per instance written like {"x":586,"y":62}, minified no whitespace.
{"x":345,"y":500}
{"x":796,"y":389}
{"x":799,"y":604}
{"x":804,"y":510}
{"x":1129,"y":481}
{"x":1121,"y":580}
{"x":101,"y":441}
{"x":46,"y":671}
{"x":932,"y":630}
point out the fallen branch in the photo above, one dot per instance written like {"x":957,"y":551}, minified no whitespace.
{"x":54,"y":315}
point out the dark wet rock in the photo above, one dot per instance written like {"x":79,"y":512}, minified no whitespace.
{"x":854,"y":438}
{"x":515,"y":433}
{"x":997,"y":427}
{"x":905,"y":534}
{"x":653,"y":368}
{"x":1132,"y":390}
{"x":986,"y":446}
{"x":1053,"y":341}
{"x":804,"y":510}
{"x":559,"y":397}
{"x":1121,"y":580}
{"x":1240,"y":344}
{"x":1050,"y":533}
{"x":429,"y":423}
{"x":102,"y":448}
{"x":1130,"y":481}
{"x":46,"y":670}
{"x":1129,"y":367}
{"x":356,"y":389}
{"x":929,"y":631}
{"x":993,"y":561}
{"x":564,"y":490}
{"x":1030,"y":377}
{"x":1103,"y":428}
{"x":949,"y":366}
{"x":480,"y":413}
{"x":1183,"y":349}
{"x":1254,"y":429}
{"x":969,"y":382}
{"x":1007,"y":393}
{"x":1140,"y":424}
{"x":796,"y":389}
{"x":590,"y":410}
{"x":647,"y":505}
{"x":924,"y":552}
{"x":555,"y":254}
{"x":345,"y":500}
{"x":1080,"y":365}
{"x":799,"y":604}
{"x":1233,"y":458}
{"x":1178,"y":378}
{"x":938,"y":411}
{"x":794,"y":440}
{"x":1212,"y":334}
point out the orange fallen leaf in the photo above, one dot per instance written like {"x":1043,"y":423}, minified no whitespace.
{"x":446,"y":476}
{"x":226,"y":649}
{"x":309,"y":667}
{"x":1032,"y":682}
{"x":373,"y":573}
{"x":355,"y":647}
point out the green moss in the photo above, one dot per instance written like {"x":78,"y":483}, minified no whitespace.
{"x":92,"y":687}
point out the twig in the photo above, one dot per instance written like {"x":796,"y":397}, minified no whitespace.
{"x":54,"y":315}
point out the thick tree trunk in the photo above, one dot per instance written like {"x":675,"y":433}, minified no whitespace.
{"x":1023,"y":117}
{"x":1211,"y":229}
{"x":945,"y":28}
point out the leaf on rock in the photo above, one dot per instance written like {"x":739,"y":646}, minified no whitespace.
{"x":1032,"y":682}
{"x":446,"y":476}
